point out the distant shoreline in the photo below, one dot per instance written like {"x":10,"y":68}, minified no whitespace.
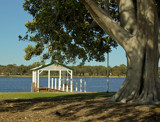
{"x":73,"y":76}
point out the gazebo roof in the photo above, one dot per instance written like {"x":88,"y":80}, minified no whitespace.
{"x":52,"y":67}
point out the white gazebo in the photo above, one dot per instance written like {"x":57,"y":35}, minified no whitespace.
{"x":65,"y":77}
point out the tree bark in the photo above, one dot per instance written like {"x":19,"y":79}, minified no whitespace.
{"x":128,"y":16}
{"x":142,"y":79}
{"x":138,"y":35}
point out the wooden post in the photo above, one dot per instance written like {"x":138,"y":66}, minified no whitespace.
{"x":71,"y":82}
{"x":62,"y":80}
{"x":49,"y":79}
{"x":55,"y":83}
{"x":80,"y":85}
{"x":59,"y":84}
{"x":32,"y":85}
{"x":76,"y":87}
{"x":63,"y":85}
{"x":71,"y":86}
{"x":108,"y":72}
{"x":32,"y":76}
{"x":85,"y":85}
{"x":38,"y":81}
{"x":52,"y":83}
{"x":35,"y":78}
{"x":71,"y":74}
{"x":67,"y":85}
{"x":60,"y":74}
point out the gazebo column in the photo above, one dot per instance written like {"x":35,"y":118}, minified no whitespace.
{"x":48,"y":78}
{"x":60,"y":72}
{"x":32,"y":84}
{"x":71,"y":74}
{"x":67,"y":82}
{"x":71,"y":82}
{"x":35,"y":79}
{"x":55,"y":83}
{"x":63,"y":84}
{"x":38,"y":80}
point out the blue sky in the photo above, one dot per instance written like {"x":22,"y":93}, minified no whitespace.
{"x":12,"y":20}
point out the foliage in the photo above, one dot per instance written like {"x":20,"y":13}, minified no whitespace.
{"x":64,"y":31}
{"x":21,"y":70}
{"x":12,"y":69}
{"x":119,"y":70}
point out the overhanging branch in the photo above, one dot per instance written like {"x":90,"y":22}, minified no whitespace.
{"x":106,"y":22}
{"x":159,"y":39}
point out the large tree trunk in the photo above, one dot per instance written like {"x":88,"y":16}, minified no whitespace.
{"x":138,"y":35}
{"x":141,"y":84}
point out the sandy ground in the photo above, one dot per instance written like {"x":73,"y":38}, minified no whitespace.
{"x":76,"y":110}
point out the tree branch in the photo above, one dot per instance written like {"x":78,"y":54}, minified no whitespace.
{"x":106,"y":5}
{"x":107,"y":23}
{"x":158,"y":11}
{"x":159,"y":39}
{"x":128,"y":15}
{"x":93,"y":25}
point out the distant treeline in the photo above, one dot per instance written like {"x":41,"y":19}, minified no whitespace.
{"x":12,"y":70}
{"x":99,"y":70}
{"x":22,"y":70}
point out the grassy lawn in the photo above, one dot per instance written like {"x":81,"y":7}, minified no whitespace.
{"x":43,"y":95}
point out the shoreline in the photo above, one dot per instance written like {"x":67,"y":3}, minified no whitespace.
{"x":73,"y":76}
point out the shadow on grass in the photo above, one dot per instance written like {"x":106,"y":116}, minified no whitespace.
{"x":81,"y":107}
{"x":22,"y":104}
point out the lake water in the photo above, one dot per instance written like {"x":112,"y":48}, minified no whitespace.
{"x":23,"y":84}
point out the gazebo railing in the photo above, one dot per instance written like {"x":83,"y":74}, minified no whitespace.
{"x":68,"y":85}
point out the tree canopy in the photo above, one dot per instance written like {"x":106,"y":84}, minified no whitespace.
{"x":133,"y":24}
{"x":65,"y":31}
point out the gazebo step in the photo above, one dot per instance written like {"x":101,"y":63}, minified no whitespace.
{"x":46,"y":89}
